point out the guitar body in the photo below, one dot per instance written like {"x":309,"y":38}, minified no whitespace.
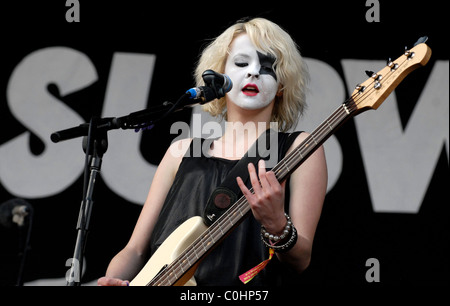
{"x":173,"y":246}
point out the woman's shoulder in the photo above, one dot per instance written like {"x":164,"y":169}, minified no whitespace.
{"x":178,"y":148}
{"x":174,"y":155}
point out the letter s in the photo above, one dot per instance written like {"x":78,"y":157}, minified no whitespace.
{"x":21,"y":172}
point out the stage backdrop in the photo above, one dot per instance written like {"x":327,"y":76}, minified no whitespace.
{"x":386,"y":213}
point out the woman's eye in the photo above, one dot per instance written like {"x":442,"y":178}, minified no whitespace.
{"x":241,"y":64}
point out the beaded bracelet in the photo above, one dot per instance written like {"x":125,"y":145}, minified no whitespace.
{"x":268,"y":238}
{"x":276,"y":238}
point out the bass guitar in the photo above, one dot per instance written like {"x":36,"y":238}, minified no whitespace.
{"x":176,"y":260}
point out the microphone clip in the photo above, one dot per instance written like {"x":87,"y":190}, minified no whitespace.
{"x":216,"y":86}
{"x":210,"y":77}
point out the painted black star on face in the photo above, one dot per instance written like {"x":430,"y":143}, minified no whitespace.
{"x":266,"y":61}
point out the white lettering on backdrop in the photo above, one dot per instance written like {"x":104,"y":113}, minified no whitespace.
{"x":398,"y":163}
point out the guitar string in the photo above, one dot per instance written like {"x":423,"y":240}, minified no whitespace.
{"x":241,"y":206}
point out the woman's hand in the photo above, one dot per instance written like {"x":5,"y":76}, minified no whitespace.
{"x":267,"y":200}
{"x":109,"y":281}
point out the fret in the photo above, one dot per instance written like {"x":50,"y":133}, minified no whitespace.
{"x":208,"y":243}
{"x":235,"y":217}
{"x":286,"y":166}
{"x":300,"y":152}
{"x":171,"y":278}
{"x":229,"y":220}
{"x":345,"y":108}
{"x":207,"y":238}
{"x":212,"y":238}
{"x":204,"y":247}
{"x":196,"y":255}
{"x":314,"y":139}
{"x":329,"y":125}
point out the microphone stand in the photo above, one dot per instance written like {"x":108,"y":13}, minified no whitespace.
{"x":95,"y":144}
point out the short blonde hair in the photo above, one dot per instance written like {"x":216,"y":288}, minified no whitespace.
{"x":290,"y":69}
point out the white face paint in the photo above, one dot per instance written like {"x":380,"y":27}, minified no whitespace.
{"x":254,"y":81}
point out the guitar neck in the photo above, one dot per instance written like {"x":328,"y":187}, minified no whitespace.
{"x":314,"y":140}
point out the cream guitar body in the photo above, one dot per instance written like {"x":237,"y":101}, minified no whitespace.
{"x":173,"y":246}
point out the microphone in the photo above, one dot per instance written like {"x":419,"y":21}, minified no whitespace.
{"x":14,"y":211}
{"x":217,"y":85}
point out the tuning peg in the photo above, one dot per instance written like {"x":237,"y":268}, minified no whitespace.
{"x":421,"y":40}
{"x":391,"y":64}
{"x":371,"y":74}
{"x":407,"y":51}
{"x":360,"y":88}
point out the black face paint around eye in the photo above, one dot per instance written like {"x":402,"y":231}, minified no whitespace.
{"x":267,"y":61}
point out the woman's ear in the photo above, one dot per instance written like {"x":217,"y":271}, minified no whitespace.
{"x":280,"y":91}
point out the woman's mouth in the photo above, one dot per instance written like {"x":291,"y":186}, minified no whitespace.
{"x":250,"y":90}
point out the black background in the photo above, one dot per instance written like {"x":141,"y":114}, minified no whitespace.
{"x":411,"y":248}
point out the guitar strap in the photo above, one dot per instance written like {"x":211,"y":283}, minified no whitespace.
{"x":228,"y":192}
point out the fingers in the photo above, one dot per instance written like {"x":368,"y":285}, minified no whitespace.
{"x":243,"y":188}
{"x":267,"y":180}
{"x":108,"y":281}
{"x":254,"y":178}
{"x":250,"y":196}
{"x":264,"y":183}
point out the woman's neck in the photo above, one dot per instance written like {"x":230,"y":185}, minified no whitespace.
{"x":242,"y":129}
{"x":238,"y":137}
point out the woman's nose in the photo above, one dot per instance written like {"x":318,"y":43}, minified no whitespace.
{"x":253,"y":71}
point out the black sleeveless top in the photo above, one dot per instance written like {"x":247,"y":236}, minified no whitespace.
{"x":196,"y":179}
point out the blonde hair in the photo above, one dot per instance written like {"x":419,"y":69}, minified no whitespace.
{"x":290,"y":69}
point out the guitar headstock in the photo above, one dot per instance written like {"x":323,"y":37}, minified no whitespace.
{"x":373,"y":92}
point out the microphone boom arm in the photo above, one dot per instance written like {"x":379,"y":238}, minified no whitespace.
{"x":136,"y":120}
